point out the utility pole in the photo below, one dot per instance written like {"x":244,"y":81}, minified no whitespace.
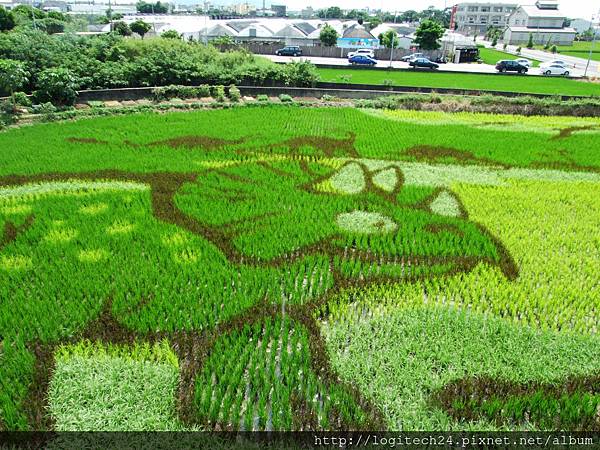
{"x":587,"y":66}
{"x":393,"y":40}
{"x":205,"y":23}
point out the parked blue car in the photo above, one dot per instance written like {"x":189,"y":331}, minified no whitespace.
{"x":362,"y":59}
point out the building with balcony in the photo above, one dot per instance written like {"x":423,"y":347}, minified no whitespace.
{"x":472,"y":17}
{"x":543,"y":21}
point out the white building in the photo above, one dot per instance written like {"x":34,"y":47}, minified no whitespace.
{"x":583,"y":25}
{"x":404,"y":31}
{"x":473,"y":17}
{"x":544,"y":21}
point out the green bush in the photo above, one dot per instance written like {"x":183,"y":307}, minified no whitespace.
{"x":44,"y":108}
{"x":234,"y":93}
{"x":218,"y":93}
{"x":58,"y":86}
{"x":262,"y":98}
{"x":22,"y":99}
{"x":284,"y":98}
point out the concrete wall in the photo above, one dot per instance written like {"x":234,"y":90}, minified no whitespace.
{"x":340,"y":90}
{"x":519,"y":38}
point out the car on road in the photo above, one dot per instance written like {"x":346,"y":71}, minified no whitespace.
{"x":362,"y":60}
{"x":408,"y":58}
{"x":363,"y":51}
{"x":524,"y":62}
{"x":423,"y":62}
{"x":554,"y":69}
{"x":289,"y":50}
{"x":560,"y":62}
{"x":506,"y":65}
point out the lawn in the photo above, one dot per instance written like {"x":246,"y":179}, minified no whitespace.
{"x":492,"y":56}
{"x":480,"y":82}
{"x":579,"y":50}
{"x":322,"y":268}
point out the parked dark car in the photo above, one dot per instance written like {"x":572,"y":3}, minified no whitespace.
{"x":289,"y":50}
{"x":510,"y":66}
{"x":423,"y":62}
{"x":362,"y":59}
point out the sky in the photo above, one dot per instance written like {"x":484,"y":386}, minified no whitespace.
{"x":571,"y":8}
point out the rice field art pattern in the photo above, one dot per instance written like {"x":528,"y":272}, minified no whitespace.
{"x":230,"y":291}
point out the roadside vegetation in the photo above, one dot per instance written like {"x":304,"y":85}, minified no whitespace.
{"x":361,"y":269}
{"x":57,"y":66}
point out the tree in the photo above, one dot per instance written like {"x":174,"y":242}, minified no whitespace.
{"x":58,"y":86}
{"x":13,"y":76}
{"x":140,"y":27}
{"x":333,"y":12}
{"x":409,"y":16}
{"x":171,"y":34}
{"x":530,"y":42}
{"x":7,"y":19}
{"x":328,"y":36}
{"x":50,"y":25}
{"x":373,"y":22}
{"x":386,"y":39}
{"x":428,"y":35}
{"x":121,"y":28}
{"x":152,"y":8}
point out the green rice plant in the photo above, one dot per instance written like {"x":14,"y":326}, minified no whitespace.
{"x":95,"y":388}
{"x":225,"y":241}
{"x":264,"y":366}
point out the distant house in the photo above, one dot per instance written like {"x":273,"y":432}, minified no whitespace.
{"x":405,"y":33}
{"x":544,"y":21}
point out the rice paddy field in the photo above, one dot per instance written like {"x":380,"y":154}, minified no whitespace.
{"x":288,"y":268}
{"x":527,"y":84}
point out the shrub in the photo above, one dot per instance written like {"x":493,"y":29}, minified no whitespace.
{"x":204,"y":90}
{"x":554,"y":49}
{"x":58,"y":86}
{"x":505,"y":46}
{"x":22,"y":99}
{"x":44,"y":108}
{"x":234,"y":93}
{"x":327,"y":98}
{"x":494,"y":42}
{"x":519,"y":50}
{"x":284,"y":98}
{"x":262,"y":98}
{"x":387,"y":82}
{"x":530,"y":42}
{"x":218,"y":93}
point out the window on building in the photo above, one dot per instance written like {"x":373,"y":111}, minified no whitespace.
{"x":496,"y":20}
{"x":497,"y":8}
{"x":485,"y":9}
{"x":483,"y":19}
{"x":473,"y":8}
{"x":471,"y":19}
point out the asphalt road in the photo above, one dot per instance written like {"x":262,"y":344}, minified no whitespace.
{"x":448,"y":67}
{"x":578,"y":64}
